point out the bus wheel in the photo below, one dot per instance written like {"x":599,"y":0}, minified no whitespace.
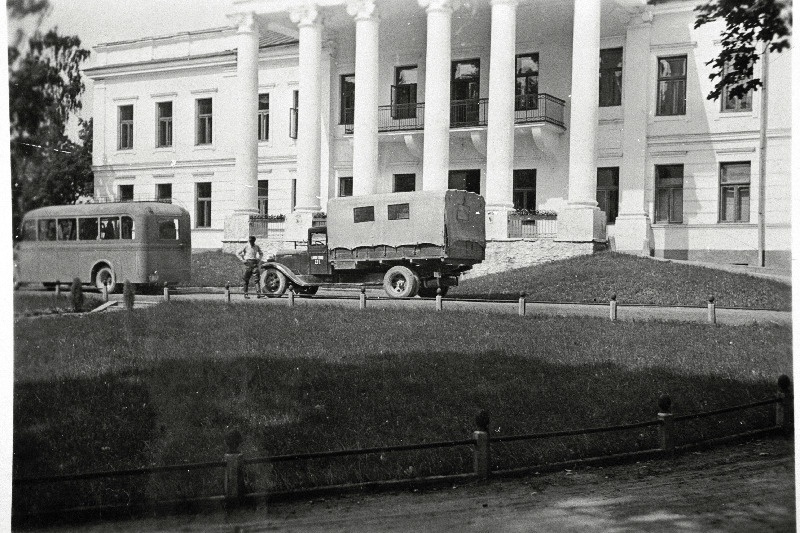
{"x":105,"y":277}
{"x":400,"y":282}
{"x":273,"y":283}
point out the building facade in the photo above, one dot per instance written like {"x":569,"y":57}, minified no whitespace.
{"x":580,"y":122}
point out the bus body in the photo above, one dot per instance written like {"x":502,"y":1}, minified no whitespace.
{"x":105,"y":244}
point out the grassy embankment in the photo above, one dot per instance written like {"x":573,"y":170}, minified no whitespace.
{"x":586,"y":279}
{"x":162,"y":385}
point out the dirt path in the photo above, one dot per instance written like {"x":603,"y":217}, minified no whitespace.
{"x":745,"y":487}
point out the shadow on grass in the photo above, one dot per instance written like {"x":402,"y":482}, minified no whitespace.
{"x":178,"y":411}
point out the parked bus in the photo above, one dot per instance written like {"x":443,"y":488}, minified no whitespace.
{"x":105,"y":244}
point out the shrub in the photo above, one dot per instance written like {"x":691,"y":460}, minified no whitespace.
{"x":128,"y":295}
{"x":77,"y":295}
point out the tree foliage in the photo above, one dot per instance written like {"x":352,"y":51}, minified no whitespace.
{"x":747,"y":23}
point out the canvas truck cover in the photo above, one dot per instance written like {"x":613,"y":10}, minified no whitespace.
{"x":439,"y":218}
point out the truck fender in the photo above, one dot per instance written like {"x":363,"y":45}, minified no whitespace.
{"x":286,"y":271}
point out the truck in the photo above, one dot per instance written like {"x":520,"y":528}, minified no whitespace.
{"x":411,"y":243}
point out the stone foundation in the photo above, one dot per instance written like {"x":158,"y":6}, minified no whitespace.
{"x":508,"y":254}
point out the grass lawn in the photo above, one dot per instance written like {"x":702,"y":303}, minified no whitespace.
{"x":635,"y":280}
{"x":47,"y":303}
{"x":215,"y":269}
{"x":162,"y":385}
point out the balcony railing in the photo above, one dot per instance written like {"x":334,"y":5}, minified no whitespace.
{"x":469,"y":113}
{"x":536,"y":226}
{"x":539,"y":108}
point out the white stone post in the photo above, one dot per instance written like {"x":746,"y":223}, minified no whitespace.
{"x":245,"y":130}
{"x":582,"y":220}
{"x":308,"y":122}
{"x":436,"y":153}
{"x":365,"y":114}
{"x":633,"y":222}
{"x":500,"y":130}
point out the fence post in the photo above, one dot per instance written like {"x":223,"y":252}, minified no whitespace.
{"x":291,"y":298}
{"x":481,"y":458}
{"x":362,"y":298}
{"x":612,"y":304}
{"x":227,"y":293}
{"x":166,"y":292}
{"x":712,"y":310}
{"x":666,"y":431}
{"x":439,"y":299}
{"x":784,"y":408}
{"x":234,"y":476}
{"x":521,"y":303}
{"x":58,"y":289}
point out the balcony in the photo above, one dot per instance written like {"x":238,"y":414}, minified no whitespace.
{"x":532,"y":226}
{"x":529,"y":109}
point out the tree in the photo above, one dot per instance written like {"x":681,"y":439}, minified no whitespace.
{"x":747,"y":23}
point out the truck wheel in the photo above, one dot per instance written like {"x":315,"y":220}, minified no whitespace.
{"x":307,"y":291}
{"x":430,"y":292}
{"x":400,"y":282}
{"x":273,"y":283}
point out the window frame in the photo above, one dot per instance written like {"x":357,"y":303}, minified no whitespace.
{"x":615,"y":100}
{"x":363,"y":214}
{"x":346,"y":119}
{"x":203,"y":205}
{"x":168,"y":140}
{"x":263,"y":199}
{"x":412,"y":177}
{"x":611,"y":193}
{"x":263,"y":118}
{"x":159,"y":197}
{"x":525,"y":102}
{"x":737,"y":190}
{"x":125,"y":125}
{"x":343,"y":180}
{"x":204,"y":123}
{"x":517,"y":173}
{"x":670,"y":189}
{"x":125,"y":186}
{"x":724,"y":98}
{"x":405,"y":110}
{"x":672,"y":79}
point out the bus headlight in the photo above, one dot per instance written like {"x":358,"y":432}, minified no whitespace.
{"x":153,"y":278}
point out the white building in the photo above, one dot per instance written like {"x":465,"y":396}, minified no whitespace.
{"x":594,"y":109}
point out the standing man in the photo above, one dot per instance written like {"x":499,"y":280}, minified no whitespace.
{"x":251,"y":257}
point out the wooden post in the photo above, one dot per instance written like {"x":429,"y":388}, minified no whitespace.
{"x":166,"y":292}
{"x":234,"y":476}
{"x":784,"y":408}
{"x":481,"y":457}
{"x":58,"y":289}
{"x":666,"y":431}
{"x":227,"y":293}
{"x":291,"y":298}
{"x":521,"y":309}
{"x":362,"y":298}
{"x":439,"y":299}
{"x":612,"y":305}
{"x":712,"y":311}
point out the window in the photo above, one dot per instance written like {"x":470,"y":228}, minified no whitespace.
{"x":109,"y":228}
{"x":734,"y":193}
{"x":608,"y":192}
{"x":671,"y":86}
{"x":735,"y":103}
{"x":364,"y":214}
{"x":67,"y":229}
{"x":404,"y":92}
{"x":125,"y":133}
{"x":164,"y":192}
{"x":610,"y":77}
{"x":464,"y":92}
{"x":398,"y":212}
{"x":348,"y":98}
{"x":168,"y":229}
{"x":125,"y":193}
{"x":669,"y":194}
{"x":203,"y":213}
{"x":47,"y":229}
{"x":29,"y":230}
{"x":293,"y":115}
{"x":465,"y":180}
{"x":88,"y":229}
{"x":128,"y":230}
{"x":263,"y":197}
{"x":346,"y":186}
{"x":294,"y":193}
{"x":164,"y":135}
{"x":405,"y":182}
{"x":263,"y":117}
{"x":204,"y":124}
{"x":526,"y":91}
{"x":525,"y":189}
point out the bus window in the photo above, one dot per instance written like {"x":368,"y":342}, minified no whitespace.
{"x":128,"y":229}
{"x":67,"y":229}
{"x":47,"y":229}
{"x":168,"y":229}
{"x":29,"y":230}
{"x":109,"y":228}
{"x":88,"y":229}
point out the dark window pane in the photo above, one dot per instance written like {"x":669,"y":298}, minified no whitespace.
{"x":29,"y":230}
{"x":727,"y":199}
{"x":525,"y":179}
{"x":67,"y":229}
{"x":263,"y":102}
{"x":109,"y":228}
{"x":126,"y":193}
{"x":364,"y":214}
{"x":128,"y":231}
{"x":404,"y":182}
{"x":88,"y":229}
{"x":168,"y":229}
{"x":398,"y":212}
{"x":744,"y":204}
{"x":126,"y":112}
{"x":47,"y":229}
{"x":346,"y":186}
{"x":164,"y":192}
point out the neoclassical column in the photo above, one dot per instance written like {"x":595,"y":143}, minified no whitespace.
{"x":365,"y":114}
{"x":307,"y":19}
{"x":500,"y":129}
{"x":580,"y":222}
{"x":436,"y":154}
{"x":633,"y":222}
{"x":245,"y":130}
